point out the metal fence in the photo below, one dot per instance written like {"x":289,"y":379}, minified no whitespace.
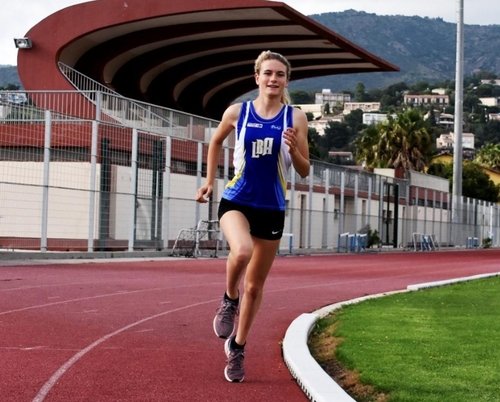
{"x":94,"y":171}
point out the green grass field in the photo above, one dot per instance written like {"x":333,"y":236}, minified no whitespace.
{"x":434,"y":345}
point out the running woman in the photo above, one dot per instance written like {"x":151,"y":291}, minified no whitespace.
{"x":271,"y":135}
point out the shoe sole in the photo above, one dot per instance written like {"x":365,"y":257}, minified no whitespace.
{"x":226,"y":350}
{"x":219,"y":335}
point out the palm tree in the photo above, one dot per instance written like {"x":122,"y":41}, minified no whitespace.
{"x":414,"y":146}
{"x":366,"y":147}
{"x":489,"y":156}
{"x":402,"y":142}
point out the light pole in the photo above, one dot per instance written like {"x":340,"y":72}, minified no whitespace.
{"x":458,"y":124}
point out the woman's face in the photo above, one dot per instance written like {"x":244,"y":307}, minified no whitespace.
{"x":272,"y":78}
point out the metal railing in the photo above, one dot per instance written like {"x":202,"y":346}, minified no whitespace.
{"x":125,"y":111}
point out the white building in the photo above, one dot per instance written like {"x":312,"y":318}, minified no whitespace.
{"x":415,"y":100}
{"x":332,"y":98}
{"x":489,"y":101}
{"x":439,"y":91}
{"x":320,"y":124}
{"x":445,"y":119}
{"x":364,"y":106}
{"x":374,"y":118}
{"x":491,"y":82}
{"x":315,"y":109}
{"x":446,"y":141}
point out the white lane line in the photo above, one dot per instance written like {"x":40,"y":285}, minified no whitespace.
{"x":27,"y":287}
{"x":65,"y":367}
{"x":92,"y":297}
{"x":109,"y":281}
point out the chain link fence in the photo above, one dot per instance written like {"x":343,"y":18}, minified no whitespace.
{"x":93,"y":171}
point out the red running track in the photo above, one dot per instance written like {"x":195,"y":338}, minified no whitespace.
{"x":142,"y":330}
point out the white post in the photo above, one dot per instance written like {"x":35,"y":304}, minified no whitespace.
{"x":326,"y":210}
{"x":46,"y":172}
{"x":357,"y":211}
{"x":199,"y":166}
{"x":93,"y":170}
{"x":310,"y":204}
{"x":342,"y":211}
{"x":133,"y":188}
{"x":166,"y":196}
{"x":459,"y":93}
{"x":291,"y":206}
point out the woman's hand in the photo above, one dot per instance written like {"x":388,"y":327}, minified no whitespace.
{"x":203,"y":194}
{"x":290,"y":136}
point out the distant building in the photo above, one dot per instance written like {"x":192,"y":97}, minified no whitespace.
{"x":343,"y":155}
{"x":374,"y":118}
{"x":439,"y":91}
{"x":491,"y":82}
{"x":4,"y":111}
{"x":316,"y":110}
{"x":489,"y":101}
{"x":17,"y":98}
{"x":320,"y":124}
{"x":332,"y":98}
{"x":364,"y":106}
{"x":446,"y":141}
{"x":445,"y":120}
{"x":416,"y":100}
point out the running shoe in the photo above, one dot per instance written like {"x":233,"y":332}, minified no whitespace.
{"x":234,"y":371}
{"x":224,"y":318}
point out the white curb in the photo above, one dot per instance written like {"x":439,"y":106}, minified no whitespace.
{"x":317,"y":385}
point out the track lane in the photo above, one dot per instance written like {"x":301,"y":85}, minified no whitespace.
{"x":141,"y":330}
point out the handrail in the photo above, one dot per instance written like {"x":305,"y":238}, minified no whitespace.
{"x":129,"y":112}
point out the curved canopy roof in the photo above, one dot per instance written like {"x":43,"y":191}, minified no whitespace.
{"x":195,"y":56}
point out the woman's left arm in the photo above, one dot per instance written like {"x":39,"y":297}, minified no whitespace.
{"x":296,"y":139}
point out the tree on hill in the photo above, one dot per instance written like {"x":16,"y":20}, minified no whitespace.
{"x":300,"y":97}
{"x":337,"y":136}
{"x":10,"y":87}
{"x":402,"y":142}
{"x":489,"y":156}
{"x":475,"y":181}
{"x":359,"y":93}
{"x":355,"y":121}
{"x":310,"y":116}
{"x":312,"y":136}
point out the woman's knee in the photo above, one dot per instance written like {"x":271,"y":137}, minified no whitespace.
{"x":242,"y":254}
{"x":253,"y":290}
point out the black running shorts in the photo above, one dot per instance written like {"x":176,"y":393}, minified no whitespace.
{"x":264,"y":223}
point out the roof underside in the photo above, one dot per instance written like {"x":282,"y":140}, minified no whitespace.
{"x":196,"y":57}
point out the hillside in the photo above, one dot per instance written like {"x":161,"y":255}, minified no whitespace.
{"x":8,"y":75}
{"x":423,"y":48}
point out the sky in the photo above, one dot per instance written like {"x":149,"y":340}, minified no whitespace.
{"x":18,"y":17}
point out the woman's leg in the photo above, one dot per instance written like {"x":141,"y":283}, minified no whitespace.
{"x":262,"y":258}
{"x":236,"y":230}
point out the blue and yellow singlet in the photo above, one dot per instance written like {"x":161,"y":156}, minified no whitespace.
{"x":261,"y":159}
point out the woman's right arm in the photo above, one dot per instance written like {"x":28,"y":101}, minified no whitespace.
{"x":226,"y":126}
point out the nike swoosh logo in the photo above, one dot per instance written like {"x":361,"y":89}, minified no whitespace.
{"x":273,"y":232}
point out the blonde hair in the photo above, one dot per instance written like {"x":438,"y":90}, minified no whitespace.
{"x":268,"y":55}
